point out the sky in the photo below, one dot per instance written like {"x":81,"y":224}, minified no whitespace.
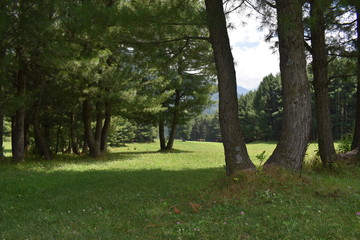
{"x":252,"y":55}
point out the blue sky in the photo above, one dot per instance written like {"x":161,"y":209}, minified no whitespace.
{"x":252,"y":55}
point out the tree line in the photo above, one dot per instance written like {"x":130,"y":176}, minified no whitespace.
{"x":68,"y":67}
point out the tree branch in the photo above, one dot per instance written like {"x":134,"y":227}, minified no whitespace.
{"x":270,"y":4}
{"x":342,"y":76}
{"x":308,"y":47}
{"x":165,"y":41}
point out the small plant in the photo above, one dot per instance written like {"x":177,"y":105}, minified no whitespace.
{"x":345,"y":143}
{"x":261,"y":157}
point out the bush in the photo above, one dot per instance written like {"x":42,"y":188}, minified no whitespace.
{"x":345,"y":143}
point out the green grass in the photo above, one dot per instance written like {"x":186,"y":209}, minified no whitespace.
{"x":131,"y":194}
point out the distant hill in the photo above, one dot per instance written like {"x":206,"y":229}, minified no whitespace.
{"x":215,"y":97}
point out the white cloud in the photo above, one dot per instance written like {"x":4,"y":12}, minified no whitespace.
{"x":252,"y":55}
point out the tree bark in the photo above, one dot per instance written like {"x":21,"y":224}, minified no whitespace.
{"x":175,"y":121}
{"x":73,"y":142}
{"x":85,"y":148}
{"x":106,"y":127}
{"x":161,"y":134}
{"x":236,"y":155}
{"x":40,"y":142}
{"x":296,"y":122}
{"x":90,"y":139}
{"x":356,"y":139}
{"x":2,"y":114}
{"x":321,"y":82}
{"x":57,"y":139}
{"x":99,"y":120}
{"x":1,"y":134}
{"x":17,"y":131}
{"x":27,"y":133}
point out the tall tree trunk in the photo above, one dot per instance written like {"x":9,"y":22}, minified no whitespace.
{"x":73,"y":142}
{"x":98,"y":127}
{"x":236,"y":155}
{"x":1,"y":134}
{"x":57,"y":139}
{"x":27,"y":133}
{"x":162,"y":134}
{"x":106,"y":127}
{"x":85,"y":148}
{"x":2,"y":96}
{"x":321,"y":82}
{"x":296,"y":122}
{"x":175,"y":121}
{"x":90,"y":139}
{"x":17,"y":131}
{"x":40,"y":142}
{"x":356,"y":140}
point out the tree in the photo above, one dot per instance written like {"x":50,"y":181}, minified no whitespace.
{"x":236,"y":155}
{"x":191,"y":96}
{"x":321,"y":81}
{"x":356,"y":139}
{"x":295,"y":129}
{"x":267,"y":105}
{"x":249,"y":118}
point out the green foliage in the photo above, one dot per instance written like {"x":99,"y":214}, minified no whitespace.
{"x":124,"y":131}
{"x":205,"y":127}
{"x":261,"y":157}
{"x":260,"y":111}
{"x":345,"y":143}
{"x":342,"y":92}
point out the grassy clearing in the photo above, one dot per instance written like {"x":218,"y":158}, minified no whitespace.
{"x":131,"y":194}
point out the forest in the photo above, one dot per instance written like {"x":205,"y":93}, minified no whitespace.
{"x":78,"y":76}
{"x":121,"y":119}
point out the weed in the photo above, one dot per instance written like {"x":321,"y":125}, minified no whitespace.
{"x":261,"y":157}
{"x":345,"y":143}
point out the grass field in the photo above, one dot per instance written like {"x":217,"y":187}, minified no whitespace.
{"x":132,"y":192}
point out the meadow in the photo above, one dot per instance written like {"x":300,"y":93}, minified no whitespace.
{"x":136,"y":192}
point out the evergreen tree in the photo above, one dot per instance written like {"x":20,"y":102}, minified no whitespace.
{"x":236,"y":156}
{"x":295,"y":129}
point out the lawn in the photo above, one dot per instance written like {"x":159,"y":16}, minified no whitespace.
{"x":132,"y":192}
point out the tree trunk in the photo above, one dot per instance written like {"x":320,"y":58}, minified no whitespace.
{"x":2,"y":96}
{"x":98,"y":127}
{"x":175,"y":121}
{"x":73,"y":142}
{"x":90,"y":139}
{"x":106,"y":127}
{"x":321,"y":82}
{"x":27,"y":133}
{"x":85,"y":148}
{"x":1,"y":134}
{"x":57,"y":139}
{"x":161,"y":134}
{"x":17,"y":131}
{"x":296,"y":122}
{"x":40,"y":142}
{"x":236,"y":155}
{"x":356,"y":140}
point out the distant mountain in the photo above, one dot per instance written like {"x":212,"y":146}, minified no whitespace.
{"x":213,"y":108}
{"x":240,"y":91}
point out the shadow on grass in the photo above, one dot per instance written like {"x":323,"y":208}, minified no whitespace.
{"x":117,"y":198}
{"x":103,"y":185}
